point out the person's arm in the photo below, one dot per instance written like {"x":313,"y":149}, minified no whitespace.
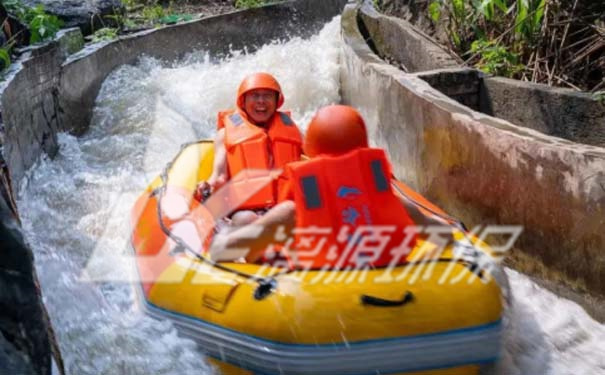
{"x":246,"y":237}
{"x":219,"y":168}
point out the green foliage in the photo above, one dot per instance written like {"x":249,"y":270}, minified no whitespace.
{"x":15,"y":7}
{"x":495,"y":59}
{"x":122,"y":21}
{"x":42,"y":25}
{"x":529,"y":18}
{"x":129,"y":3}
{"x":480,"y":28}
{"x":244,"y":4}
{"x":146,"y":13}
{"x":458,"y":10}
{"x":154,"y":13}
{"x":106,"y":33}
{"x":435,"y":11}
{"x":174,"y":18}
{"x":488,"y":8}
{"x":5,"y":58}
{"x":599,"y":96}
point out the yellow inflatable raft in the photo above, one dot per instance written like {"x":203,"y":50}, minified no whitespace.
{"x":440,"y":314}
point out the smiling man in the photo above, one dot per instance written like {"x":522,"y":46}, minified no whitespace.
{"x":254,"y":136}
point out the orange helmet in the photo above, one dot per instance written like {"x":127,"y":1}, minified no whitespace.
{"x":335,"y":130}
{"x":259,"y":81}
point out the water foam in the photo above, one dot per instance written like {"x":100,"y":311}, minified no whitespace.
{"x":80,"y":202}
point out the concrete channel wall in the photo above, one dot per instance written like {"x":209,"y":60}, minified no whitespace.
{"x":50,"y":90}
{"x":560,"y":112}
{"x":46,"y":93}
{"x":25,"y":332}
{"x":480,"y":168}
{"x":414,"y":50}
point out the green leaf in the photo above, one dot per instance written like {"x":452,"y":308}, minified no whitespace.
{"x":41,"y":25}
{"x":244,"y":4}
{"x":455,"y":38}
{"x":458,"y":9}
{"x":495,"y":59}
{"x":172,"y":18}
{"x":5,"y":58}
{"x":487,"y":9}
{"x":521,"y":18}
{"x":105,"y":33}
{"x":501,"y":5}
{"x":476,"y":46}
{"x":537,"y":18}
{"x":435,"y":11}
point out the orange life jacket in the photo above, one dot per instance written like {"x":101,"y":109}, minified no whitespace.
{"x":251,"y":147}
{"x":348,"y":202}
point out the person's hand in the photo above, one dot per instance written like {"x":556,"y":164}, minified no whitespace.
{"x":220,"y":180}
{"x":202,"y":191}
{"x":216,"y":181}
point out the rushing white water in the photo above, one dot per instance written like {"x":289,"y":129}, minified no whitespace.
{"x":79,"y":203}
{"x":550,"y":335}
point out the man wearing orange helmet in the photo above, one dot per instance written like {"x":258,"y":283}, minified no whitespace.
{"x":255,"y":135}
{"x":346,"y":184}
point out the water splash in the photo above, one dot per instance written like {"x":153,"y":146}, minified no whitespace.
{"x":550,"y":335}
{"x":79,"y":203}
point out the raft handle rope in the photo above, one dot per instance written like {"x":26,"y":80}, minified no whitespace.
{"x":381,"y":302}
{"x":265,"y":288}
{"x":452,"y":220}
{"x":472,"y":265}
{"x":265,"y":284}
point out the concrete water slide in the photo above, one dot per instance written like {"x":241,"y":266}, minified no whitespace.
{"x":51,"y":89}
{"x":478,"y":167}
{"x":543,"y":169}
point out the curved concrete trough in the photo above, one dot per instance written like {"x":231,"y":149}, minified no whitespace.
{"x":46,"y":92}
{"x":51,"y":89}
{"x":483,"y":169}
{"x":564,"y":113}
{"x":480,"y":168}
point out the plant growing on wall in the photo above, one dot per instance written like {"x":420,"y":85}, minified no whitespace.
{"x":145,"y":13}
{"x":244,"y":4}
{"x":105,"y":33}
{"x":5,"y":58}
{"x":152,"y":14}
{"x":42,"y":26}
{"x":599,"y":96}
{"x":495,"y":59}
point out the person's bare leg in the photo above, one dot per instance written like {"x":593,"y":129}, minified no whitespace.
{"x":258,"y":235}
{"x":243,"y":217}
